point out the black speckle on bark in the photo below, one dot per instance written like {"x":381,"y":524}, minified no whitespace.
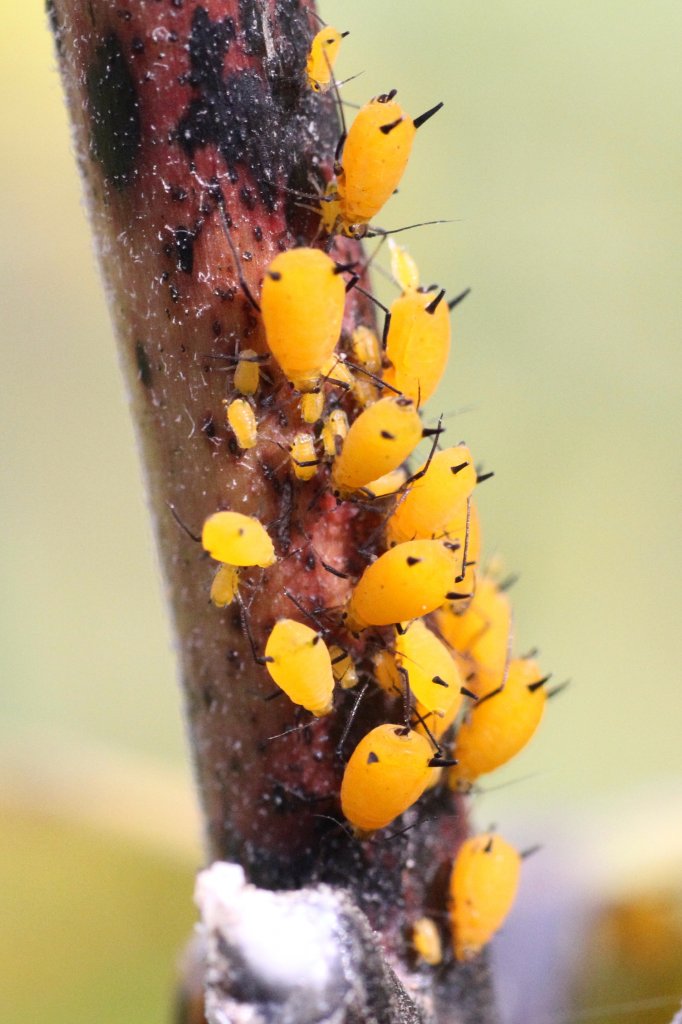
{"x":115,"y":127}
{"x":184,"y":250}
{"x":251,"y":14}
{"x":260,"y":123}
{"x":144,"y":369}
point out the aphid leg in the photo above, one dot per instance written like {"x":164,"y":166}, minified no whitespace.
{"x":246,"y":628}
{"x":349,"y":722}
{"x":240,"y":277}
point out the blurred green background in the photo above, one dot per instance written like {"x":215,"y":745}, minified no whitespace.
{"x":559,"y":158}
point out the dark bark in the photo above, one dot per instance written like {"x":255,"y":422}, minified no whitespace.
{"x":193,"y":127}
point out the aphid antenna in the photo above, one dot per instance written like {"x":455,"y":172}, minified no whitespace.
{"x":339,"y":824}
{"x":240,"y":277}
{"x":376,"y":232}
{"x":183,"y":526}
{"x":458,"y":298}
{"x":381,"y":384}
{"x":465,"y":549}
{"x":351,"y":718}
{"x":305,"y":611}
{"x":423,"y":118}
{"x":481,"y":791}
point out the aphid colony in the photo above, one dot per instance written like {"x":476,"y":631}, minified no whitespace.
{"x":437,"y":629}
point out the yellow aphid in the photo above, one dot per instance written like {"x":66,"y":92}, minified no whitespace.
{"x":298,"y":660}
{"x":387,"y":772}
{"x":426,"y":941}
{"x":374,"y":158}
{"x":335,"y":371}
{"x":366,"y":356}
{"x":237,"y":539}
{"x":500,"y":724}
{"x":406,"y":582}
{"x":432,"y":671}
{"x":483,"y":885}
{"x":433,"y":724}
{"x":324,"y":50}
{"x":366,"y":349}
{"x":312,"y":406}
{"x":247,"y":372}
{"x":378,"y":441}
{"x":303,"y":457}
{"x":387,"y":675}
{"x":418,"y":343}
{"x":224,"y":586}
{"x":242,"y":420}
{"x":343,"y":668}
{"x":404,"y":270}
{"x":483,"y":631}
{"x":302,"y":303}
{"x":430,"y":502}
{"x":389,"y":483}
{"x":333,"y":433}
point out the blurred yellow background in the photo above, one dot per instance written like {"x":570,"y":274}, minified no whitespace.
{"x":558,"y":156}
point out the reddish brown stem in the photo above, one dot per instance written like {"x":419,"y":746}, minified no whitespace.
{"x":195,"y":130}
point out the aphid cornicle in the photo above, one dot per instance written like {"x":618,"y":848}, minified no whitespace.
{"x":324,"y":50}
{"x":406,"y":582}
{"x":375,"y":155}
{"x":483,"y":885}
{"x":298,"y":660}
{"x":378,"y":441}
{"x":302,"y":302}
{"x":430,"y":503}
{"x":237,"y":539}
{"x":500,"y":725}
{"x":387,"y":772}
